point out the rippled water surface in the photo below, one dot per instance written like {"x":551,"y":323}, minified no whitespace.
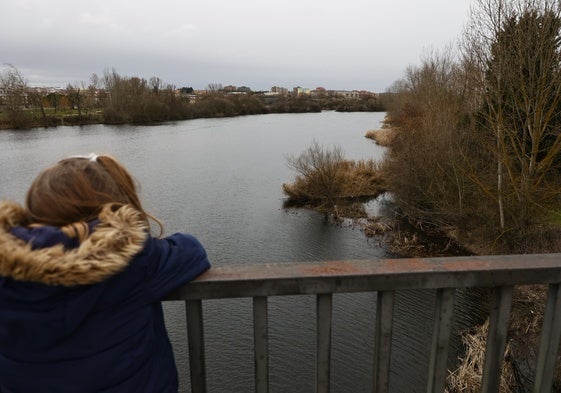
{"x":220,"y":179}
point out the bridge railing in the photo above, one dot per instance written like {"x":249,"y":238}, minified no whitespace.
{"x":386,"y":276}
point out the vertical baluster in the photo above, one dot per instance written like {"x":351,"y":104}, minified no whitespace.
{"x":549,"y":341}
{"x":383,"y":341}
{"x":261,"y":344}
{"x":496,"y":339}
{"x":323,"y":357}
{"x":440,"y":338}
{"x":195,"y":337}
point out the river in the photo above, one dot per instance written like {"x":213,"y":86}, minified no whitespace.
{"x":220,"y":179}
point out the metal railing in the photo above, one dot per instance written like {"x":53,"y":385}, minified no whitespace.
{"x":386,"y":276}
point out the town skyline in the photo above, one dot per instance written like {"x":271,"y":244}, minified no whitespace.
{"x":219,"y":87}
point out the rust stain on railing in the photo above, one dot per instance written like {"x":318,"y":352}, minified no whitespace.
{"x":332,"y":268}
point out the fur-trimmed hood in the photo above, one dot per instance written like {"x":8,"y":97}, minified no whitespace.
{"x":118,"y":237}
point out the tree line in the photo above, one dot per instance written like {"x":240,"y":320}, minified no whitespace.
{"x":117,"y":99}
{"x":477,"y":130}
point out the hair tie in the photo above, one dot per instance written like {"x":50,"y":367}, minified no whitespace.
{"x":90,"y":157}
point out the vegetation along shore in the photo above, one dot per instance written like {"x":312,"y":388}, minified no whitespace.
{"x":117,"y":99}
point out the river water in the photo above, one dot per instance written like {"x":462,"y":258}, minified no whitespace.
{"x":220,"y":179}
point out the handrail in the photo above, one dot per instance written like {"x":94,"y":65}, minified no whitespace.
{"x":384,"y":276}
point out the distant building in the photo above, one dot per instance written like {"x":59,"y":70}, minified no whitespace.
{"x":319,"y":92}
{"x":184,"y":91}
{"x":301,"y":90}
{"x":279,"y":90}
{"x":348,"y":94}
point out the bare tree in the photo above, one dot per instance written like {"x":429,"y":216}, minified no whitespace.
{"x":214,"y":88}
{"x":75,"y":95}
{"x":36,"y":98}
{"x":14,"y":95}
{"x":425,"y":163}
{"x":516,"y":48}
{"x":156,"y":84}
{"x":96,"y":96}
{"x":319,"y":168}
{"x":13,"y":87}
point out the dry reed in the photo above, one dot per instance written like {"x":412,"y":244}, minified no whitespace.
{"x":467,"y":377}
{"x":528,"y":303}
{"x":382,"y":137}
{"x":349,"y":181}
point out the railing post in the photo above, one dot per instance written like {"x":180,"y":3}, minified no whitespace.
{"x":440,"y":338}
{"x":261,"y":344}
{"x":496,"y":339}
{"x":195,"y":337}
{"x":383,"y":341}
{"x":549,"y":341}
{"x":323,"y":361}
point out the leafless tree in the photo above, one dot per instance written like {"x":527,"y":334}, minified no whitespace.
{"x":319,"y":167}
{"x":13,"y":89}
{"x":425,"y":162}
{"x":214,"y":88}
{"x":75,"y":94}
{"x":515,"y":47}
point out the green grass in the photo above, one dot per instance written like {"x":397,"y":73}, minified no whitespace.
{"x":553,"y":216}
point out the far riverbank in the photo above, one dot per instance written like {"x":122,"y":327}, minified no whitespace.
{"x":152,"y":109}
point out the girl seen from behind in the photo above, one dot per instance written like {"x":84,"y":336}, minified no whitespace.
{"x":81,"y":280}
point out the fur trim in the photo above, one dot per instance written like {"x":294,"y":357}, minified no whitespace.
{"x":107,"y":251}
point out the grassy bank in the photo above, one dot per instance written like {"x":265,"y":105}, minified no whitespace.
{"x":35,"y":119}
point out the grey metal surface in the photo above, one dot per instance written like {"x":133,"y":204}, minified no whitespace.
{"x":441,"y":337}
{"x":195,"y":336}
{"x":382,"y":341}
{"x":549,"y":341}
{"x":496,"y":339}
{"x":261,"y":344}
{"x":272,"y":279}
{"x":323,"y":357}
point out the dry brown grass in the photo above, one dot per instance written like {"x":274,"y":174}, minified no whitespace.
{"x":351,"y":180}
{"x":467,"y":377}
{"x":526,"y":319}
{"x":360,"y":178}
{"x":382,"y":137}
{"x":378,"y":226}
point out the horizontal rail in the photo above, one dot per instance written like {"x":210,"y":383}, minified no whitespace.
{"x":276,"y":279}
{"x":385,"y":277}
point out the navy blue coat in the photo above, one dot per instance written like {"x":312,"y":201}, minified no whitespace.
{"x":87,"y":317}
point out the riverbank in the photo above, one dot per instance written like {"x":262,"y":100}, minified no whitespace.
{"x":34,"y":121}
{"x":403,"y":236}
{"x":131,"y":104}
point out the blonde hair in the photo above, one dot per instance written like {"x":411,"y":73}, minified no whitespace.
{"x":73,"y":192}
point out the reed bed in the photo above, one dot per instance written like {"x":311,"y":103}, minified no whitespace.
{"x":382,"y":137}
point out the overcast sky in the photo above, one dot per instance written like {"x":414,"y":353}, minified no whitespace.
{"x":337,"y":44}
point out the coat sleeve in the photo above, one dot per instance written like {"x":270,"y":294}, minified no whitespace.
{"x":172,"y":262}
